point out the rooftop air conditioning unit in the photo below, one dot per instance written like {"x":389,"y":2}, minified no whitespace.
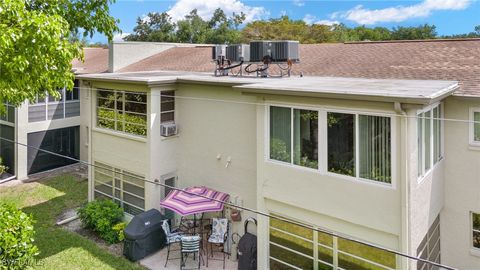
{"x":285,"y":50}
{"x":218,"y":51}
{"x":168,"y":129}
{"x":238,"y":52}
{"x":259,"y":49}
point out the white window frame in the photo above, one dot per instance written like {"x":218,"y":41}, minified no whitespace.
{"x":323,"y":143}
{"x":171,"y":111}
{"x":472,"y":248}
{"x":471,"y":129}
{"x":121,"y":189}
{"x":433,"y":163}
{"x":115,"y":131}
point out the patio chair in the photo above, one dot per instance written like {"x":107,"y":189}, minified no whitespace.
{"x":172,"y":238}
{"x":218,"y":238}
{"x":190,"y":245}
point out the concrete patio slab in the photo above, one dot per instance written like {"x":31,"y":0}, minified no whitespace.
{"x":156,"y":261}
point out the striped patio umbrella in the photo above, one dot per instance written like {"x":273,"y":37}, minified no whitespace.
{"x":187,"y":202}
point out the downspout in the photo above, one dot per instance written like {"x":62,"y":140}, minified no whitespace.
{"x":405,"y":200}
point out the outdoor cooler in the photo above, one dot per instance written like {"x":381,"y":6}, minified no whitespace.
{"x":144,"y":235}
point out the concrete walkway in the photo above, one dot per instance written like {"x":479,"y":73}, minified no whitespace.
{"x":157,"y":261}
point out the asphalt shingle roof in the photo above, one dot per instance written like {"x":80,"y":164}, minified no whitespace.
{"x":457,"y":60}
{"x":95,"y":61}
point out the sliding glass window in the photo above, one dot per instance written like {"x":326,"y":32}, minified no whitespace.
{"x":341,"y":143}
{"x":122,"y":111}
{"x":304,"y":138}
{"x":429,"y":134}
{"x":372,"y":136}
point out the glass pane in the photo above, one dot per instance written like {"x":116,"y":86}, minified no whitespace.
{"x":136,"y":129}
{"x":288,"y":257}
{"x":167,"y":106}
{"x":139,"y":191}
{"x":369,"y":253}
{"x":476,"y":221}
{"x":291,"y":228}
{"x":476,"y":118}
{"x":167,"y":117}
{"x":476,"y":239}
{"x":341,"y":143}
{"x":420,"y":143}
{"x":427,"y":140}
{"x":374,"y":148}
{"x":280,"y":133}
{"x":135,"y":201}
{"x":136,"y":107}
{"x":325,"y":255}
{"x":305,"y":138}
{"x":435,"y":135}
{"x":291,"y":242}
{"x":137,"y":97}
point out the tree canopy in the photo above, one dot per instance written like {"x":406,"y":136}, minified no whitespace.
{"x":222,"y":29}
{"x":38,"y":41}
{"x":192,"y":29}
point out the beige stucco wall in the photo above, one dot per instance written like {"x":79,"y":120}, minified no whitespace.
{"x":209,"y":128}
{"x":364,"y":210}
{"x":462,"y":186}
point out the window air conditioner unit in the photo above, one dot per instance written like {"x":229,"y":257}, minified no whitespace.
{"x":168,"y":129}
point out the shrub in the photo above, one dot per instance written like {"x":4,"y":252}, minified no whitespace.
{"x":101,"y":216}
{"x":16,"y":238}
{"x":119,"y":230}
{"x":3,"y":168}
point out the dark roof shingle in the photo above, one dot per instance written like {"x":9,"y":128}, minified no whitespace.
{"x":428,"y":60}
{"x":95,"y":61}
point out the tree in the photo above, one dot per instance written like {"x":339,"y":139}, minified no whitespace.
{"x":425,"y":31}
{"x":153,"y":27}
{"x":38,"y":41}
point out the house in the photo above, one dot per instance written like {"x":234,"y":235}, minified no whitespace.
{"x":47,"y":123}
{"x":358,"y":146}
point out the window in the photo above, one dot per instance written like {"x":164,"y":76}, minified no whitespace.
{"x":429,"y":138}
{"x":9,"y":114}
{"x":371,"y":138}
{"x":122,"y":111}
{"x":125,"y":188}
{"x":295,"y":247}
{"x":304,"y":140}
{"x":476,"y":230}
{"x":475,"y":126}
{"x":167,"y":108}
{"x":47,"y":107}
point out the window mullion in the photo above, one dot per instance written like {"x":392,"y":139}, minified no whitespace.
{"x":357,"y":149}
{"x":123,"y":111}
{"x":292,"y":126}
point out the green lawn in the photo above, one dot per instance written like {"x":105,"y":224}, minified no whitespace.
{"x":59,"y":248}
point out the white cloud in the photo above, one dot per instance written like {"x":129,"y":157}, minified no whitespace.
{"x":361,"y":15}
{"x":327,"y":22}
{"x":206,"y":8}
{"x":119,"y":37}
{"x":311,"y":19}
{"x":299,"y":3}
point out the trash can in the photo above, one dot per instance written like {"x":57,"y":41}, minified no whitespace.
{"x":144,"y":235}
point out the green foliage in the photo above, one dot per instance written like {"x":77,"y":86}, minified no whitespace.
{"x":129,"y":123}
{"x":17,"y":249}
{"x":278,"y":150}
{"x":3,"y":168}
{"x":101,"y":216}
{"x":37,"y":43}
{"x":119,"y":229}
{"x":192,"y":29}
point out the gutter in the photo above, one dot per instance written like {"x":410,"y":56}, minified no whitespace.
{"x":405,"y":200}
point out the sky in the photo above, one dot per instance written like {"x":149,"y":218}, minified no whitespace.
{"x":450,"y":16}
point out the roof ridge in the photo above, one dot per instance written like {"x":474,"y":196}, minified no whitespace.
{"x":412,"y":41}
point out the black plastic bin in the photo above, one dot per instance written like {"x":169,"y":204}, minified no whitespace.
{"x":144,"y":235}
